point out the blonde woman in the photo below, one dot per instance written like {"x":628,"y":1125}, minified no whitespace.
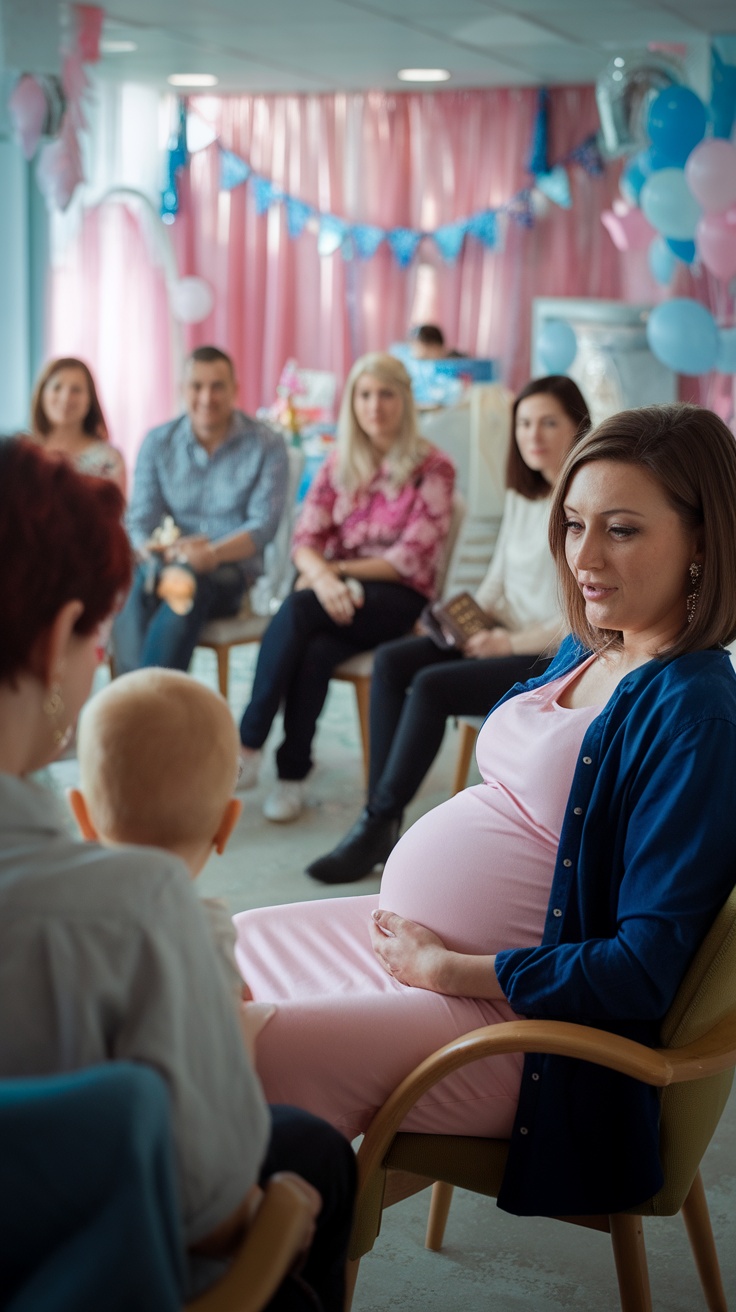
{"x":67,"y":418}
{"x":367,"y":549}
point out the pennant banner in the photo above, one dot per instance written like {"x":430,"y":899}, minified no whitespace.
{"x":332,"y":233}
{"x":233,"y":170}
{"x":403,"y":243}
{"x":449,"y":239}
{"x":555,"y":185}
{"x":366,"y":239}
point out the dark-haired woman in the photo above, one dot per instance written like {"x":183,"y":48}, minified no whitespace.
{"x":416,"y":686}
{"x":67,"y":418}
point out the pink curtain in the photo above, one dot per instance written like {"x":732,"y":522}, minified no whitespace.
{"x":108,"y":304}
{"x":417,"y":160}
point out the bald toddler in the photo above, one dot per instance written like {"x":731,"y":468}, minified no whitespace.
{"x":158,"y":758}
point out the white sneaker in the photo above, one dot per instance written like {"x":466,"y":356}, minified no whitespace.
{"x":250,"y":764}
{"x":285,"y":802}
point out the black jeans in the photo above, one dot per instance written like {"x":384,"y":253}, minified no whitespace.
{"x":299,"y":651}
{"x":303,"y":1143}
{"x":415,"y":687}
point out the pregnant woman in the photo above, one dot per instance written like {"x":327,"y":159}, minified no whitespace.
{"x":577,"y":880}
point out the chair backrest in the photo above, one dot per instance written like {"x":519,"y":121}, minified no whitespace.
{"x":457,"y":518}
{"x":88,"y":1201}
{"x":691,"y":1111}
{"x":277,"y":565}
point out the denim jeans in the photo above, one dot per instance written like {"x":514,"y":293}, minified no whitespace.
{"x":147,"y":632}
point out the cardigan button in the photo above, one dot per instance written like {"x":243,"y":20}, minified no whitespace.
{"x":557,"y":912}
{"x":577,"y":810}
{"x":567,"y":861}
{"x":523,"y":1129}
{"x":535,"y":1076}
{"x":587,"y":760}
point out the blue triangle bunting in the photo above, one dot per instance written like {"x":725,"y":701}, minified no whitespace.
{"x":555,"y":185}
{"x":367,"y":238}
{"x":297,"y":215}
{"x":588,"y":155}
{"x":233,"y":170}
{"x":521,"y":209}
{"x":484,"y":227}
{"x":332,"y":233}
{"x":264,"y":193}
{"x":449,"y":239}
{"x":403,"y":243}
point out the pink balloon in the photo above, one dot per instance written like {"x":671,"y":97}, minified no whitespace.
{"x":716,"y":239}
{"x":710,"y":173}
{"x":27,"y":105}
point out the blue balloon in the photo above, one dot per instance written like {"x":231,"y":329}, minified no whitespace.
{"x":684,"y":250}
{"x":661,"y":261}
{"x":684,"y":336}
{"x":669,"y":205}
{"x":726,"y":358}
{"x":557,"y":346}
{"x":676,"y":123}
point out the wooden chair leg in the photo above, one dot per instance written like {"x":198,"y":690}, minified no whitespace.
{"x":627,"y":1238}
{"x":439,"y":1210}
{"x":363,"y":697}
{"x":466,"y":744}
{"x":351,"y":1277}
{"x":223,"y":668}
{"x":700,"y":1233}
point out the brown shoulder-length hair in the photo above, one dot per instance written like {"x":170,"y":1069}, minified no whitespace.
{"x":93,"y":423}
{"x":691,"y":454}
{"x":530,"y":483}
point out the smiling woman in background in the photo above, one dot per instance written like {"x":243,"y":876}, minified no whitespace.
{"x":367,"y":548}
{"x":67,"y":418}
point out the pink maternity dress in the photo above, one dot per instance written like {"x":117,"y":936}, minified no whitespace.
{"x":477,"y":870}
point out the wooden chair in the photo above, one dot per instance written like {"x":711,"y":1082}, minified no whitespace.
{"x":468,"y":729}
{"x":266,"y":1255}
{"x":694,"y":1069}
{"x":237,"y":630}
{"x":358,"y":669}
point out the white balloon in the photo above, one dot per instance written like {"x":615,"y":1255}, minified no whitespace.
{"x":192,"y":300}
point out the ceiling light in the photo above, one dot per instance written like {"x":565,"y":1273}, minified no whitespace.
{"x":423,"y":75}
{"x":117,"y":47}
{"x":193,"y":80}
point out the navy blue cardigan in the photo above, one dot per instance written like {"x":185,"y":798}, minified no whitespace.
{"x":647,"y":857}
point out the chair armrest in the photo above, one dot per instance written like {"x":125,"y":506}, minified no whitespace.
{"x":273,"y":1241}
{"x":709,"y":1055}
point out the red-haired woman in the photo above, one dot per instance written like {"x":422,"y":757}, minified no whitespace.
{"x":104,"y":954}
{"x":67,"y":417}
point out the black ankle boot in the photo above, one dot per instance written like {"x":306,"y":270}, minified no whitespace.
{"x":364,"y":846}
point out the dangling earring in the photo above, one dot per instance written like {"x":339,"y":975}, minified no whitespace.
{"x":53,"y":706}
{"x":695,"y":572}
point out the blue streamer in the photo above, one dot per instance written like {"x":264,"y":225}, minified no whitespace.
{"x":233,"y":170}
{"x":449,"y":239}
{"x":723,"y":95}
{"x":403,"y":243}
{"x":176,"y":159}
{"x":538,"y":161}
{"x":366,"y":239}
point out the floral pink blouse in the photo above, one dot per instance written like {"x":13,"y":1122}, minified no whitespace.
{"x":408,"y":528}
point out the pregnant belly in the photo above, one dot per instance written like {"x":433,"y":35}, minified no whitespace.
{"x":473,"y":871}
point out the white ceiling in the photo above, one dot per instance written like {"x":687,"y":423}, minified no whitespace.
{"x":327,"y":45}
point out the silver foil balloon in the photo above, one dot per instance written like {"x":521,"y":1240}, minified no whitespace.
{"x":624,"y":92}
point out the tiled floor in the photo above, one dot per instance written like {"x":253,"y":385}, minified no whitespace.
{"x":491,"y":1260}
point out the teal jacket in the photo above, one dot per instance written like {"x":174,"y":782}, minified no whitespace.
{"x":647,"y":857}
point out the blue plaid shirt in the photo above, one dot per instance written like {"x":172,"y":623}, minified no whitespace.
{"x":239,"y":488}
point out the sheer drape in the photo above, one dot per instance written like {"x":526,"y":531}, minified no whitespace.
{"x":415,"y":160}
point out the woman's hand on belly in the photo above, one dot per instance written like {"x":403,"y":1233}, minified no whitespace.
{"x":415,"y":956}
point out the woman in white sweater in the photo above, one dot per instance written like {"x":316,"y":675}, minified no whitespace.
{"x":416,"y":685}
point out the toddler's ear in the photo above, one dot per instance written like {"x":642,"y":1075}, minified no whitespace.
{"x":79,"y":810}
{"x":230,"y":817}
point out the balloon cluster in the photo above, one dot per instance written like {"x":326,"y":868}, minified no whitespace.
{"x":685,"y":183}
